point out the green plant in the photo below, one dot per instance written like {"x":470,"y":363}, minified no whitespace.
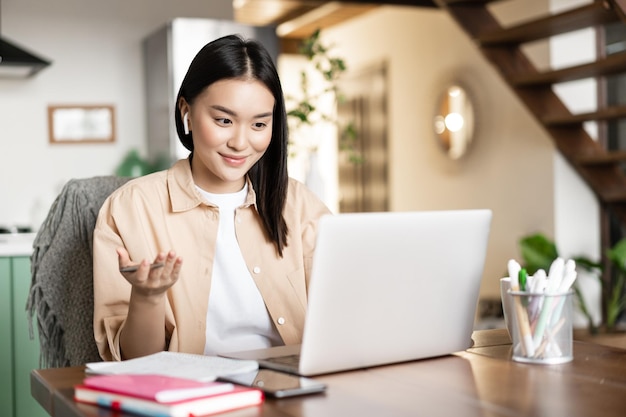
{"x":616,"y":300}
{"x":538,"y":252}
{"x":305,"y":110}
{"x":133,"y":165}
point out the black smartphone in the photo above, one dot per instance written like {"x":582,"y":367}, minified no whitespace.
{"x":276,"y":384}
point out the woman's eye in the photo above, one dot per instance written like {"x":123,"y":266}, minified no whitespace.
{"x":224,"y":121}
{"x":259,"y":125}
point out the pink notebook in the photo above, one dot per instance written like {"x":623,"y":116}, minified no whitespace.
{"x":160,"y":388}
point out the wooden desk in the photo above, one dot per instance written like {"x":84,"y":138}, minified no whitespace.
{"x":482,"y":381}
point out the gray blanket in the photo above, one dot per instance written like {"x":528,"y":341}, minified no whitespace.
{"x":61,"y":292}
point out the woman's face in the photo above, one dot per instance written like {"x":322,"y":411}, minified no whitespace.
{"x":231,"y":123}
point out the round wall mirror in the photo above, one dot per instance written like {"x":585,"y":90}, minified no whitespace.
{"x":454,"y":121}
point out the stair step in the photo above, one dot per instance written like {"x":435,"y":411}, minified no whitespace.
{"x":612,"y":64}
{"x":604,"y":171}
{"x":620,"y":8}
{"x":593,"y":14}
{"x":465,"y":2}
{"x":609,"y":113}
{"x":605,"y":158}
{"x":617,"y":195}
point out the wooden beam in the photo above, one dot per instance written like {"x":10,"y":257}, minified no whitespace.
{"x":620,"y":8}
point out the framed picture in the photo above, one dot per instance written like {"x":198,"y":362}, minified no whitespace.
{"x":81,"y":124}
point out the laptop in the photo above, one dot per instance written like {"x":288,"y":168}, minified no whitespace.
{"x":387,"y":287}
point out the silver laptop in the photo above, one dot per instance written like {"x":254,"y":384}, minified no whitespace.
{"x":385,"y":288}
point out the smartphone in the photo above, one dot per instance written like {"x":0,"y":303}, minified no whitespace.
{"x":276,"y":384}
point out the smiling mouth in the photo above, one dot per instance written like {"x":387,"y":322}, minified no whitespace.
{"x":234,"y":160}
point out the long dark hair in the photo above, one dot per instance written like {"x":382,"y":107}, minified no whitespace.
{"x":234,"y":57}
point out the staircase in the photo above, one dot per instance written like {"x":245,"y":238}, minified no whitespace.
{"x":597,"y":165}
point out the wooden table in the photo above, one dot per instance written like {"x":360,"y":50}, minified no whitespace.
{"x":482,"y":381}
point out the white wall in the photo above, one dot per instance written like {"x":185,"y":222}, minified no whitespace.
{"x":95,"y":47}
{"x":510,"y":167}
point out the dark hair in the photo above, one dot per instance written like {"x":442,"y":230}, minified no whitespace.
{"x":234,"y":57}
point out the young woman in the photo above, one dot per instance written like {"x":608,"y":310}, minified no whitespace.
{"x":234,"y":235}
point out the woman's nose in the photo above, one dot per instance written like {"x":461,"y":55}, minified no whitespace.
{"x":238,"y":140}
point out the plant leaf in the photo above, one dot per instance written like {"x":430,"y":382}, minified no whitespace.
{"x":588,"y":265}
{"x":617,"y":255}
{"x":538,"y":252}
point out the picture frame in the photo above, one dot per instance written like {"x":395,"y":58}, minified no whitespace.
{"x":78,"y":124}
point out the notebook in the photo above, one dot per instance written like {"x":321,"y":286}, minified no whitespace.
{"x":174,"y":364}
{"x":387,"y":287}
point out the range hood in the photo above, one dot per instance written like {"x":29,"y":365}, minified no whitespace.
{"x":16,"y":62}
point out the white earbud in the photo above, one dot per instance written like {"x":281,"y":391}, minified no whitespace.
{"x":186,"y":124}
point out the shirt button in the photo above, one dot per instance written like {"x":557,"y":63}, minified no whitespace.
{"x":256,"y":270}
{"x":281,"y":320}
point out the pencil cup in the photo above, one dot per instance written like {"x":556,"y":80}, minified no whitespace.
{"x":541,"y":327}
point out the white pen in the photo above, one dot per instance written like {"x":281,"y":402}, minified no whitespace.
{"x":555,"y":277}
{"x":540,"y":281}
{"x":569,"y":276}
{"x":538,"y":287}
{"x":514,"y":267}
{"x":566,"y":284}
{"x":133,"y":268}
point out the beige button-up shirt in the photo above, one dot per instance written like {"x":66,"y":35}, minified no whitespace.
{"x":164,"y":211}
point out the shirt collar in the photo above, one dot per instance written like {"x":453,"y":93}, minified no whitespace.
{"x":182,"y":189}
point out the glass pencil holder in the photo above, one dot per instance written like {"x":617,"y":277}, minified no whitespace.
{"x":541,"y":327}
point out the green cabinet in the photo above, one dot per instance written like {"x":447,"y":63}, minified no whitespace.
{"x":19,"y":355}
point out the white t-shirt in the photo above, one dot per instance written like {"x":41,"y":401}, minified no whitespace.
{"x":237,"y":318}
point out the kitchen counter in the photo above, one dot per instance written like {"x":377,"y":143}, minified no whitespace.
{"x":16,"y":244}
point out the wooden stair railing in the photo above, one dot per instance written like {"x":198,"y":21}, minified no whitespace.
{"x":598,"y":167}
{"x":620,"y":8}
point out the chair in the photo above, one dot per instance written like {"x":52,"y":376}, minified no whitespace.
{"x":61,"y":291}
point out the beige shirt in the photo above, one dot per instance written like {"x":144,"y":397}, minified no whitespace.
{"x":164,"y":211}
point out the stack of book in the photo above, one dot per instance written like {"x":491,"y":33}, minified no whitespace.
{"x":160,"y":395}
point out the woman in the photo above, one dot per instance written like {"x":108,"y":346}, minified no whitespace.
{"x":244,"y":231}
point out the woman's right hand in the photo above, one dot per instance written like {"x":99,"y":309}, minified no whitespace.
{"x":144,"y":330}
{"x":148,"y":281}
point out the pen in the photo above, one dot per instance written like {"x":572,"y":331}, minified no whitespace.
{"x":568,"y":280}
{"x":555,"y":277}
{"x":133,"y":268}
{"x":522,"y":279}
{"x":520,"y":312}
{"x":569,"y":276}
{"x":538,"y":286}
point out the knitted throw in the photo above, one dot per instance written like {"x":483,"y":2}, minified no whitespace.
{"x":61,"y":291}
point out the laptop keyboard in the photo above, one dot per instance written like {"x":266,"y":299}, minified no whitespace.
{"x":289,"y":360}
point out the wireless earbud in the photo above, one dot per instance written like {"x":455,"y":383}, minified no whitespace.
{"x":186,"y":123}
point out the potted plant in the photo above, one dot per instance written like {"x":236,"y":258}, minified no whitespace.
{"x":305,"y":111}
{"x":538,"y":252}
